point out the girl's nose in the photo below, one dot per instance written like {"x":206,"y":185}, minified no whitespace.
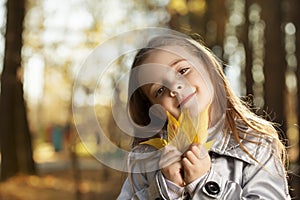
{"x":176,"y":90}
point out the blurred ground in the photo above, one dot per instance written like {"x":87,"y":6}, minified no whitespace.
{"x":58,"y":179}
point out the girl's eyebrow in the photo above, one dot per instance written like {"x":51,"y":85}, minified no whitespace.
{"x":174,"y":62}
{"x":149,"y":90}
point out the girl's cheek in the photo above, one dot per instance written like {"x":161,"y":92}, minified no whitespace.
{"x":175,"y":114}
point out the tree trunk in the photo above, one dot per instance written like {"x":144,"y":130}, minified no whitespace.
{"x":216,"y":13}
{"x":15,"y":139}
{"x":274,"y":63}
{"x":248,"y":51}
{"x":297,"y":24}
{"x":292,"y":14}
{"x":295,"y":5}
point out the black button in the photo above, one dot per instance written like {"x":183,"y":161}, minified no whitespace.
{"x":159,"y":198}
{"x":212,"y":187}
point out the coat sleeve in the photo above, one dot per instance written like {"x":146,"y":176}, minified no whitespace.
{"x":263,"y":180}
{"x":142,"y":190}
{"x":144,"y":181}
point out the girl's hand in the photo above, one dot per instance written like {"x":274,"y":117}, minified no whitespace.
{"x":170,"y":163}
{"x":196,"y":163}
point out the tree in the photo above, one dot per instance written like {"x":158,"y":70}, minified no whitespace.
{"x":248,"y":51}
{"x":297,"y":21}
{"x":274,"y":62}
{"x":295,"y":6}
{"x":15,"y":139}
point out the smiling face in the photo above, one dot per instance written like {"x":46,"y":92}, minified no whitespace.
{"x":179,"y":81}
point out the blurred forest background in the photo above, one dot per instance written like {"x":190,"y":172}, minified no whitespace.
{"x":44,"y":42}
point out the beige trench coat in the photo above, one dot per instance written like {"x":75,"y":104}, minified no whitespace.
{"x":233,"y":174}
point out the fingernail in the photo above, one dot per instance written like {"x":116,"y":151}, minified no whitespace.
{"x":203,"y":152}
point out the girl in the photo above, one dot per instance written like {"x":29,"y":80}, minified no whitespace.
{"x":246,"y":160}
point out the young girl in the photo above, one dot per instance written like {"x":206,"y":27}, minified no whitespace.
{"x":246,"y":159}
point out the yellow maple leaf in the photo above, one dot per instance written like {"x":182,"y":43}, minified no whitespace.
{"x":158,"y":143}
{"x":185,"y":131}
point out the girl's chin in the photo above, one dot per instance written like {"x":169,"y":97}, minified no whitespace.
{"x":192,"y":106}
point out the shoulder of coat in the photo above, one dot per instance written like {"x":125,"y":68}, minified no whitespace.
{"x":251,"y":144}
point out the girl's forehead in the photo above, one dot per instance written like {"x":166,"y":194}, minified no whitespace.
{"x":166,"y":55}
{"x":153,"y":72}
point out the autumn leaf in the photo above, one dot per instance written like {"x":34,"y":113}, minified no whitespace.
{"x":185,"y":131}
{"x":158,"y":143}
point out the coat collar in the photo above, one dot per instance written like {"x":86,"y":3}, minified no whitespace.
{"x":226,"y":144}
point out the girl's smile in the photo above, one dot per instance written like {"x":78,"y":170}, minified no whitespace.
{"x":186,"y":100}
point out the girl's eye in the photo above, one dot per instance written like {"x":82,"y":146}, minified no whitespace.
{"x":183,"y":70}
{"x":160,"y":91}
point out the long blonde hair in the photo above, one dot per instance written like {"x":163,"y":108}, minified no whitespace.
{"x":236,"y":109}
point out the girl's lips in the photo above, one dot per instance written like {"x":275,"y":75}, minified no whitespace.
{"x":186,"y":99}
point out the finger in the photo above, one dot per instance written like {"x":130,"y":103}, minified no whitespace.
{"x":186,"y":163}
{"x":169,"y":148}
{"x":171,"y":153}
{"x":191,"y":157}
{"x":168,"y":161}
{"x":199,"y":150}
{"x":196,"y":150}
{"x":203,"y":152}
{"x":169,"y":158}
